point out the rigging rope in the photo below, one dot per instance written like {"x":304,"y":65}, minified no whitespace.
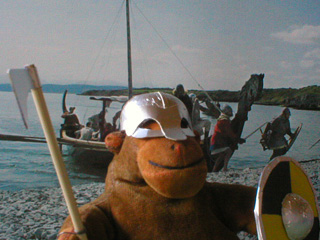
{"x":176,"y":56}
{"x":105,"y":40}
{"x":102,"y":46}
{"x":138,"y":40}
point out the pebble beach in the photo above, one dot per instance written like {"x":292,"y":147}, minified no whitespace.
{"x":39,"y":213}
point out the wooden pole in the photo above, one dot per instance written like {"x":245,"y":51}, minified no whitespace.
{"x":255,"y":130}
{"x":60,"y":168}
{"x":314,"y":144}
{"x":129,"y":51}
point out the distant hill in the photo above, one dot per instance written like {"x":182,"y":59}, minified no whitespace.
{"x":307,"y":98}
{"x":72,"y":88}
{"x":124,"y":91}
{"x":302,"y":98}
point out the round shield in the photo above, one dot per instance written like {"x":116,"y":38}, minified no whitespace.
{"x":286,"y":204}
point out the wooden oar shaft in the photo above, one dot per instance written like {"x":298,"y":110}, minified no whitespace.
{"x":314,"y":144}
{"x":57,"y":160}
{"x":20,"y":138}
{"x":255,"y":130}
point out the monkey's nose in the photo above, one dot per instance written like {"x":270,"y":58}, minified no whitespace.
{"x":177,"y":148}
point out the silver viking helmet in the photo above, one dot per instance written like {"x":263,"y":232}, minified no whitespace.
{"x":226,"y":109}
{"x":168,"y":111}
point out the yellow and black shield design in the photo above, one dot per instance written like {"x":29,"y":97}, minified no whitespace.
{"x":280,"y":177}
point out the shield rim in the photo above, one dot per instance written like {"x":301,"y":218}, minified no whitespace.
{"x":262,"y":181}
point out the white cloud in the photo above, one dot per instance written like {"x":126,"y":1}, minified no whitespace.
{"x":306,"y":34}
{"x":314,"y":54}
{"x":311,"y":58}
{"x":286,"y":65}
{"x":307,"y":63}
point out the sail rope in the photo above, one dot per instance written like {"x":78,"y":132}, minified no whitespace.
{"x":138,"y":41}
{"x":115,"y":21}
{"x":177,"y":57}
{"x":104,"y":42}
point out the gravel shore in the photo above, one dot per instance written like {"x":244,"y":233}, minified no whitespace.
{"x":39,"y":214}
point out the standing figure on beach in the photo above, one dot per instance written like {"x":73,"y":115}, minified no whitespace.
{"x":180,"y":93}
{"x":202,"y":126}
{"x":274,"y":134}
{"x":224,"y":141}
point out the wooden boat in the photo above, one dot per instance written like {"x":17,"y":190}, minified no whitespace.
{"x":87,"y":150}
{"x":82,"y":151}
{"x":94,"y":151}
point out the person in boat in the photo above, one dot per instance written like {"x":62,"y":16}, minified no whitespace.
{"x":94,"y":119}
{"x":104,"y":127}
{"x":224,"y":141}
{"x":86,"y":132}
{"x":71,"y":122}
{"x":211,"y":105}
{"x":180,"y":93}
{"x":276,"y":131}
{"x":115,"y":122}
{"x":195,"y":99}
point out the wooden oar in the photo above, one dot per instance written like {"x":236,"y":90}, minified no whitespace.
{"x":255,"y":130}
{"x":22,"y":81}
{"x":19,"y":138}
{"x":314,"y":144}
{"x":90,"y":145}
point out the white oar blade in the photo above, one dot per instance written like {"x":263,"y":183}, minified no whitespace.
{"x":21,"y":85}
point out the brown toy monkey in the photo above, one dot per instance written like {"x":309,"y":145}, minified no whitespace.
{"x":156,"y":184}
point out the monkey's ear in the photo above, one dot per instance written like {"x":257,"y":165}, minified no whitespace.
{"x":114,"y":141}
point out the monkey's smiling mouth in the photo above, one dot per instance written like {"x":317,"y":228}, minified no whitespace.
{"x":177,"y":167}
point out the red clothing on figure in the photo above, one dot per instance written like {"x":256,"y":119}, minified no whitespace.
{"x":223,"y":135}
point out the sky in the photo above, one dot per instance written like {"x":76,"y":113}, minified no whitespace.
{"x":202,"y":44}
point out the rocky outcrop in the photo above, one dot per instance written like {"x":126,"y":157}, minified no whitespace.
{"x":306,"y":101}
{"x":307,"y":98}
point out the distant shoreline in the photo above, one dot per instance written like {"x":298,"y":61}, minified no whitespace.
{"x":307,"y":98}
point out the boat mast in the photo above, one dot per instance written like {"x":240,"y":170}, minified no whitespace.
{"x":129,"y":52}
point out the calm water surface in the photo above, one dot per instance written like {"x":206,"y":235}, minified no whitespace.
{"x":29,"y":165}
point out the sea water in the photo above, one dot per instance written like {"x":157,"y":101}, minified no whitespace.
{"x":29,"y":165}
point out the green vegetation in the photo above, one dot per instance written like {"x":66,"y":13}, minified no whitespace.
{"x":124,"y":92}
{"x":303,"y":98}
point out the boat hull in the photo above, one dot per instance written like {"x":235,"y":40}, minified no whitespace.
{"x":95,"y":157}
{"x":91,"y":154}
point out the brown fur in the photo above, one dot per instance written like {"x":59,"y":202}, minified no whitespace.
{"x":143,"y":201}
